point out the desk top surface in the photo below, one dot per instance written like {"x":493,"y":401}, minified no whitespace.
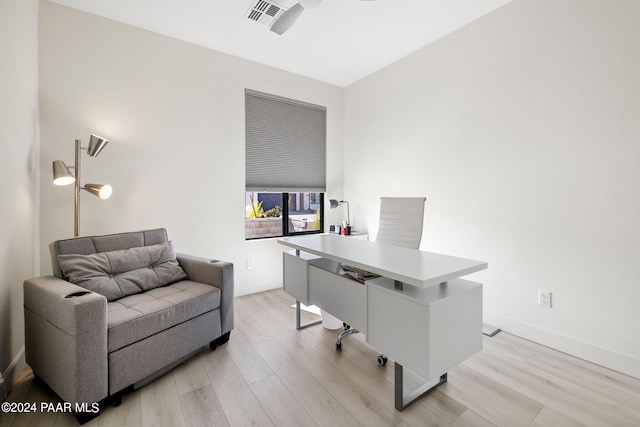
{"x":411,"y":266}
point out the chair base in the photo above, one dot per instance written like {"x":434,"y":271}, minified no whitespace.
{"x":348,"y":331}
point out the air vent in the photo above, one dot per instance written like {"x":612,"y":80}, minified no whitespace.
{"x":265,"y":12}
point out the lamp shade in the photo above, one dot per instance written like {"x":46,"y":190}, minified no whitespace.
{"x":287,"y":19}
{"x":61,"y":174}
{"x":96,"y":145}
{"x":333,"y":203}
{"x":100,"y":190}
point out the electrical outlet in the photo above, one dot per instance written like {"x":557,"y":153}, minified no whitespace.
{"x":249,"y":264}
{"x":544,"y":298}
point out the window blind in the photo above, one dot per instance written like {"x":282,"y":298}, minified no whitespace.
{"x":285,"y":144}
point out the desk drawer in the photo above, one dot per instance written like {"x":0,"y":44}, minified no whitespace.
{"x":427,"y":330}
{"x":294,"y":281}
{"x":342,"y":297}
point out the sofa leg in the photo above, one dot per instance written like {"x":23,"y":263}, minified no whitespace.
{"x":219,"y":341}
{"x":223,"y":339}
{"x":116,"y":399}
{"x":85,"y":417}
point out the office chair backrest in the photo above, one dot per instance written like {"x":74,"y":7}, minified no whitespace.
{"x":401,"y":221}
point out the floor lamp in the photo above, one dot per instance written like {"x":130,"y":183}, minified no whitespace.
{"x":63,"y":176}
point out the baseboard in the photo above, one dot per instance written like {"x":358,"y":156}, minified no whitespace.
{"x":583,"y":350}
{"x":10,"y":375}
{"x":256,"y":288}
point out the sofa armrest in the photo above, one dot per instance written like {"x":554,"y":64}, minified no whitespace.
{"x":215,"y":273}
{"x":66,"y":338}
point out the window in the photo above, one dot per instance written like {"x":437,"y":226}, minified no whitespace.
{"x":285,"y":166}
{"x":283,"y":214}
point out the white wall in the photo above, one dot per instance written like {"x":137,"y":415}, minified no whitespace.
{"x":174,"y":113}
{"x":522,"y":131}
{"x":18,"y":174}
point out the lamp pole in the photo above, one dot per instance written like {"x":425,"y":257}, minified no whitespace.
{"x":348,"y":213}
{"x":76,"y":202}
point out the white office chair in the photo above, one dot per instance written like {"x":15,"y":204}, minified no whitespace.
{"x":400,"y":224}
{"x":401,"y":221}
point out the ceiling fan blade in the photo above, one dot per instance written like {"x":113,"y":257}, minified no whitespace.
{"x":287,"y":19}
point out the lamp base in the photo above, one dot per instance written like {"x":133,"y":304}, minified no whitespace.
{"x":489,"y":330}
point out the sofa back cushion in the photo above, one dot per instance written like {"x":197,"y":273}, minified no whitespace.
{"x":110,"y":242}
{"x":119,"y":273}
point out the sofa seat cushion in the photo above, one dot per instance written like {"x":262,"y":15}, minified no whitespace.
{"x":135,"y":317}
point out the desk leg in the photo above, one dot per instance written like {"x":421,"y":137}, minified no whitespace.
{"x":403,"y":400}
{"x":306,"y":325}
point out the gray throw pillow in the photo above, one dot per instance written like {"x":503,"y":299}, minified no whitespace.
{"x":125,"y":272}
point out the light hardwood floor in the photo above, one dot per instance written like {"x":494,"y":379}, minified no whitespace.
{"x":269,"y":374}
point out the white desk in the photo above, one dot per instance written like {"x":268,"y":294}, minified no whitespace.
{"x":410,"y":266}
{"x":418,"y":312}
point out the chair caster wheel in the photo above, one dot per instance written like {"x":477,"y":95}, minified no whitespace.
{"x":338,"y":346}
{"x":382,"y":360}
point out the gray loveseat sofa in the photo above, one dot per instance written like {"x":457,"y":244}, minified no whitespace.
{"x":119,"y":310}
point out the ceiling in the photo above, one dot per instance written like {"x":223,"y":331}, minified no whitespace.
{"x":339,"y":42}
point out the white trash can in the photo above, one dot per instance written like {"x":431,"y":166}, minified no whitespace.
{"x":330,"y":322}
